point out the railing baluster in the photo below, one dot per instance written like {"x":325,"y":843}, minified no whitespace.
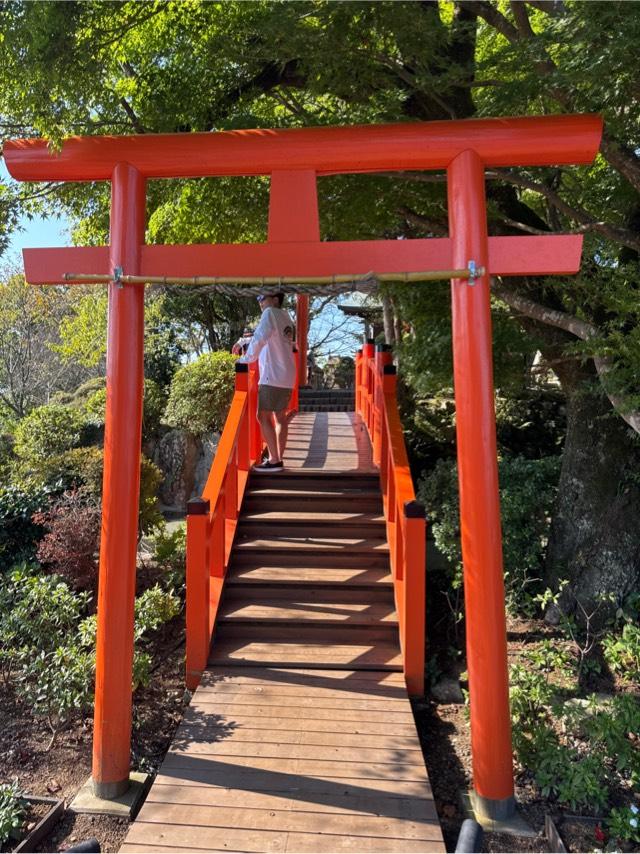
{"x":197,"y":591}
{"x":414,"y":596}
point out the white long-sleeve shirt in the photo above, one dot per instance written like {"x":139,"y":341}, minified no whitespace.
{"x":272,"y":346}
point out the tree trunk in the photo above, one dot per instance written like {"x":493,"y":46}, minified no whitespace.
{"x":595,"y":536}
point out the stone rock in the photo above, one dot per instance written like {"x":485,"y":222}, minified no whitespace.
{"x":447,"y":690}
{"x":185,"y":461}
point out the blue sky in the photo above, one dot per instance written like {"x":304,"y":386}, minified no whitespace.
{"x":35,"y":232}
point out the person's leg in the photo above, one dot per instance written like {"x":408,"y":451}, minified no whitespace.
{"x":265,"y":418}
{"x":281,"y":431}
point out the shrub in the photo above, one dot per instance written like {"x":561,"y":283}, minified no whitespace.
{"x":70,"y":545}
{"x":622,"y":652}
{"x":201,"y":393}
{"x":48,"y":430}
{"x":170,"y":553}
{"x":150,"y":479}
{"x":527,"y":493}
{"x":19,"y":534}
{"x":12,"y":811}
{"x":38,"y":613}
{"x":58,"y":685}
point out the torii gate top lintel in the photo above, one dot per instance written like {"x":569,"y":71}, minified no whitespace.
{"x":523,"y":141}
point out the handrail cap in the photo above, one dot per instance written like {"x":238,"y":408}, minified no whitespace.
{"x":197,"y":507}
{"x":242,"y":368}
{"x":389,"y":369}
{"x":383,"y":348}
{"x":414,"y":510}
{"x":371,"y":340}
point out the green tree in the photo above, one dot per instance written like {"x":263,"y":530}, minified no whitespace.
{"x":153,"y":67}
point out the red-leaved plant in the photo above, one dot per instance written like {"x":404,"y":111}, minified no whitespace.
{"x":69,"y":548}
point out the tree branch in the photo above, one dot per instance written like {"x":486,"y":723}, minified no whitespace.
{"x":575,"y":326}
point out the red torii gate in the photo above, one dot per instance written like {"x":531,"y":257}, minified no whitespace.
{"x":294,"y":159}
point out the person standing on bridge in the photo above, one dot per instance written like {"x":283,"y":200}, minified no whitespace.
{"x":272,"y":347}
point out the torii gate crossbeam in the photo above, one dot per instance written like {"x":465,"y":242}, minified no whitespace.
{"x":294,"y":159}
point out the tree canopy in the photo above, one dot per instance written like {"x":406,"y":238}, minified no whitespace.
{"x":163,"y":66}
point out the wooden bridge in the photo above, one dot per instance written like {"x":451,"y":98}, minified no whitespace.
{"x":300,"y":734}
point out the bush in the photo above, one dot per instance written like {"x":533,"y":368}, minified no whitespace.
{"x":49,"y":430}
{"x":149,"y":516}
{"x":12,"y":811}
{"x":577,"y":748}
{"x":19,"y":535}
{"x":38,"y":614}
{"x":201,"y":393}
{"x":622,"y":652}
{"x":71,"y":543}
{"x":170,"y":553}
{"x":527,"y":493}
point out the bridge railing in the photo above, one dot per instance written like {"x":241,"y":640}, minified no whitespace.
{"x":376,"y":403}
{"x":213,"y":518}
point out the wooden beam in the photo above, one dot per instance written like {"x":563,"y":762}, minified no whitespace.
{"x":508,"y":256}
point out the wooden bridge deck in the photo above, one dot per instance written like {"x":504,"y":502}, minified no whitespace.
{"x":300,"y":736}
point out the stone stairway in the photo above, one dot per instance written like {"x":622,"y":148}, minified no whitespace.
{"x":327,"y":400}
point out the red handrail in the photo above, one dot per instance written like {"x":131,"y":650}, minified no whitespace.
{"x":377,"y":405}
{"x":212,"y":520}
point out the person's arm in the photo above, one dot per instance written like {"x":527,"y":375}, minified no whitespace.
{"x":264,"y":331}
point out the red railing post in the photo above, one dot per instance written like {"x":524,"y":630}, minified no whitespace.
{"x":255,"y":443}
{"x":383,"y":356}
{"x":479,"y":498}
{"x":218,"y":533}
{"x":197,"y":591}
{"x":368,"y":354}
{"x":244,"y":436}
{"x":358,"y":381}
{"x":414,"y":560}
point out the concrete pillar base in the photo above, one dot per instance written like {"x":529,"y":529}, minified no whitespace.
{"x":112,"y":799}
{"x":496,"y":816}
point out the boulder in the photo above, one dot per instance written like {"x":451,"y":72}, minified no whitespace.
{"x":185,"y":461}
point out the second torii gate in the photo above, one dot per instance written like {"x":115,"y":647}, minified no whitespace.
{"x":294,"y":159}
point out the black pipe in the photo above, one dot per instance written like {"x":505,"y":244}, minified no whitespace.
{"x":91,"y":845}
{"x":470,"y":837}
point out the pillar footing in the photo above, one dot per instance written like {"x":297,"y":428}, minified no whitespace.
{"x":112,"y":800}
{"x":496,"y":816}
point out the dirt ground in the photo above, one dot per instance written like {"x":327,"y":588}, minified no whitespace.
{"x":61,"y":771}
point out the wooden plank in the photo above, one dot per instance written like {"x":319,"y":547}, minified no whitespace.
{"x":337,"y":517}
{"x":229,"y":740}
{"x":377,"y":656}
{"x":231,"y":710}
{"x":294,"y":784}
{"x":368,"y":691}
{"x":307,"y":842}
{"x":309,"y":676}
{"x":210,"y":839}
{"x":225,"y":727}
{"x":312,"y":704}
{"x":232,"y":839}
{"x":311,"y":575}
{"x":323,"y":753}
{"x":224,"y":768}
{"x":300,"y":543}
{"x":300,"y":611}
{"x":334,"y":803}
{"x":289,"y":821}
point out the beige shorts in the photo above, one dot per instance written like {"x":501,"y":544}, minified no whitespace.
{"x":271,"y":398}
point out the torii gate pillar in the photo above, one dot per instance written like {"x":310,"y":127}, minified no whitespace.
{"x":120,"y":490}
{"x":479,"y":498}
